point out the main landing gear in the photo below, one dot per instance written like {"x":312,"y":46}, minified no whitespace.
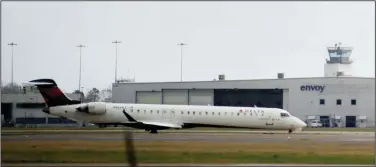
{"x":153,"y":131}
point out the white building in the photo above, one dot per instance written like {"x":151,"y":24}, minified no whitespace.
{"x":338,"y":99}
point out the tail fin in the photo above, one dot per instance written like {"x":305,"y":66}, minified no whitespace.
{"x":52,"y":95}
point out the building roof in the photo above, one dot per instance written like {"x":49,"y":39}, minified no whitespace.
{"x":268,"y":79}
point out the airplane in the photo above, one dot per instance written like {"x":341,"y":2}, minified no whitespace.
{"x":154,"y":117}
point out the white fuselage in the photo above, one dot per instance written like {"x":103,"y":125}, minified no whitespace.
{"x":246,"y":117}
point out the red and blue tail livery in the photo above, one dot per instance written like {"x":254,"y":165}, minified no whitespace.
{"x":51,"y":94}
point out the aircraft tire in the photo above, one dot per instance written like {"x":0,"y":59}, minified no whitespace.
{"x":153,"y":131}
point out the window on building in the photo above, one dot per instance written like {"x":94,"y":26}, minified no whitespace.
{"x":30,"y":105}
{"x":339,"y":101}
{"x":353,"y":101}
{"x":60,"y":121}
{"x":322,"y":102}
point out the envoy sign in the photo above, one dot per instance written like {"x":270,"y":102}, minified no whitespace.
{"x":317,"y":88}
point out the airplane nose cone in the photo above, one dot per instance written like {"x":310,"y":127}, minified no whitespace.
{"x":300,"y":123}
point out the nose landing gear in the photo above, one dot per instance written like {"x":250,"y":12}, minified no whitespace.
{"x":288,"y":135}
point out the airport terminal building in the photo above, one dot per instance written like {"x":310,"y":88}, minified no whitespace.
{"x":337,"y":99}
{"x":25,"y":110}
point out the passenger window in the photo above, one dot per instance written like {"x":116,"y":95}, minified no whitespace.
{"x":238,"y":114}
{"x":157,"y":111}
{"x":199,"y":113}
{"x":219,"y":113}
{"x":151,"y":111}
{"x":138,"y":111}
{"x":188,"y":112}
{"x":225,"y":113}
{"x":193,"y":113}
{"x":212,"y":113}
{"x":182,"y":112}
{"x":353,"y":101}
{"x":232,"y":114}
{"x":206,"y":113}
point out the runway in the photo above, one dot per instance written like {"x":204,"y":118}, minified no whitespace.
{"x":364,"y":138}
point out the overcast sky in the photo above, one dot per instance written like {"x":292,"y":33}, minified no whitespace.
{"x":243,"y":40}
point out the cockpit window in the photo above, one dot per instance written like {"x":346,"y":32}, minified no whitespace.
{"x":284,"y":115}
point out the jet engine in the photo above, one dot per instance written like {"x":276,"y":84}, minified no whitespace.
{"x":95,"y":108}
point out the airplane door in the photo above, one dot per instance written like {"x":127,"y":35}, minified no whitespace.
{"x":168,"y":115}
{"x":269,"y":121}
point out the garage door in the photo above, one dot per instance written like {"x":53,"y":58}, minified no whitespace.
{"x":149,"y":97}
{"x":285,"y":99}
{"x":176,"y":96}
{"x":201,"y":96}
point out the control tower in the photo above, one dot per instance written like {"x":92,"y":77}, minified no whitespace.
{"x":339,"y":63}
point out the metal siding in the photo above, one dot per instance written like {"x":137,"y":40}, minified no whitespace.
{"x":149,"y":97}
{"x":201,"y":96}
{"x":29,"y":98}
{"x":175,"y":96}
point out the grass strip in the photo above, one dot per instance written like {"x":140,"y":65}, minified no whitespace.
{"x":185,"y":152}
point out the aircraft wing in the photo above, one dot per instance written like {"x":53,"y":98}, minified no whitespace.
{"x":152,"y":123}
{"x":162,"y":124}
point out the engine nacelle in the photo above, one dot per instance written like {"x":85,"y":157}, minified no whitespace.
{"x":95,"y":108}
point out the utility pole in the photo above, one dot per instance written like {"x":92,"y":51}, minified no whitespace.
{"x":181,"y":61}
{"x":12,"y":44}
{"x":116,"y":57}
{"x":79,"y":80}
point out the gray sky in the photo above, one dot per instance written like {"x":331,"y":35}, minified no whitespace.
{"x":243,"y":40}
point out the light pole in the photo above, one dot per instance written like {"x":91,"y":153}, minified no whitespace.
{"x":116,"y":57}
{"x":181,"y":61}
{"x":79,"y":80}
{"x":12,"y":44}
